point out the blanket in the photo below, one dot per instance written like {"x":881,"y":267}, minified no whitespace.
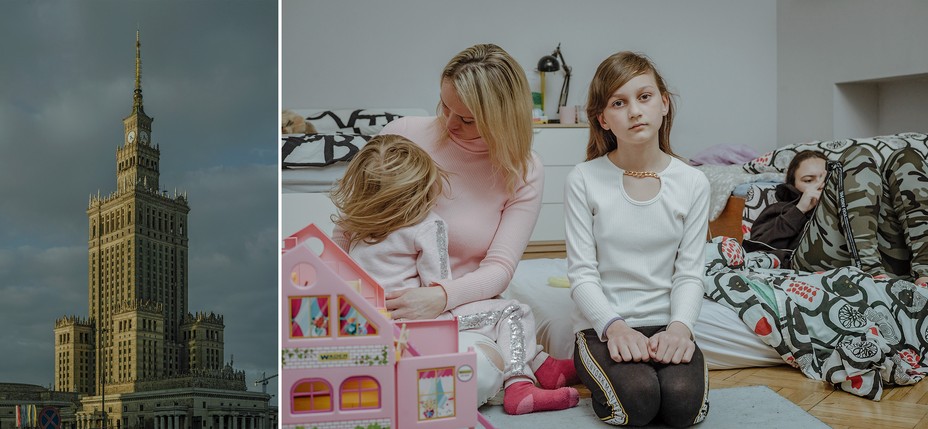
{"x":724,"y":178}
{"x":840,"y":326}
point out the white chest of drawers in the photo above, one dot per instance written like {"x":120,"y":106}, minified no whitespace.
{"x":560,"y":148}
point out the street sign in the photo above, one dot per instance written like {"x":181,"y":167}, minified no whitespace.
{"x":49,"y":418}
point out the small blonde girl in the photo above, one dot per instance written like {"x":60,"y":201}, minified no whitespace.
{"x":385,"y":203}
{"x":390,"y":184}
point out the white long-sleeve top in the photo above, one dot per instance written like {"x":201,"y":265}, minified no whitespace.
{"x":641,"y":260}
{"x":410,"y":257}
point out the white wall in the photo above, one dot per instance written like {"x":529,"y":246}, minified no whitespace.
{"x":720,"y":56}
{"x":822,"y":43}
{"x":904,"y":106}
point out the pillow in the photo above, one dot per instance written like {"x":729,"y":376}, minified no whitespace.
{"x":319,"y":150}
{"x":881,"y":146}
{"x":351,"y":121}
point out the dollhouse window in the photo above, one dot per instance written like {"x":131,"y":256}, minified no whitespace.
{"x":360,"y":393}
{"x":313,"y":395}
{"x":309,"y":316}
{"x":303,"y":275}
{"x":436,"y":393}
{"x":351,"y":322}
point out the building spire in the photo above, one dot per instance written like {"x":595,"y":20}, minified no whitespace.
{"x":137,"y":97}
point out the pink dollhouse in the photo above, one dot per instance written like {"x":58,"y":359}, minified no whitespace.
{"x":345,"y":364}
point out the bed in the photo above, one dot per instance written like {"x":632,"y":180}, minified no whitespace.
{"x":732,"y":190}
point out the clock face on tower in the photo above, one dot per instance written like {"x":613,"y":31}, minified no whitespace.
{"x":143,"y":136}
{"x":131,"y":136}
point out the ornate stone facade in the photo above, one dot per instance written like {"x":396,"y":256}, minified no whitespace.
{"x":141,"y":355}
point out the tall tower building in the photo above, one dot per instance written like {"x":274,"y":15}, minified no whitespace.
{"x":140,"y":359}
{"x":138,"y":327}
{"x":138,"y":260}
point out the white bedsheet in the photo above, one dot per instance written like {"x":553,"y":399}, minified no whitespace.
{"x":311,"y":179}
{"x":724,"y":339}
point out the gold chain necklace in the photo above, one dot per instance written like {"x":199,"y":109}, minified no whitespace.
{"x":641,"y":174}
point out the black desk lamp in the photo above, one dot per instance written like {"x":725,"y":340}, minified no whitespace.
{"x":549,"y":63}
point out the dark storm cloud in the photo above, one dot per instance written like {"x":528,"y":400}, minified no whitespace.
{"x":209,"y":80}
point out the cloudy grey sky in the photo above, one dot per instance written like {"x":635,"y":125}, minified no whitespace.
{"x":209,"y":80}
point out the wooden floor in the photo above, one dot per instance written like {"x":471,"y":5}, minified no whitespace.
{"x":900,"y":407}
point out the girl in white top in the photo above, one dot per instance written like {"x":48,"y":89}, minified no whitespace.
{"x":637,"y":218}
{"x":385,"y":203}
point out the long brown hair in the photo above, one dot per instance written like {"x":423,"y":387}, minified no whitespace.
{"x":611,"y":74}
{"x":390,"y":183}
{"x":494,"y":88}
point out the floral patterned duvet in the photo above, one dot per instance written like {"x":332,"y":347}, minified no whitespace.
{"x":841,"y":326}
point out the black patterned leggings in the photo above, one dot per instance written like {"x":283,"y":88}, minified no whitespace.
{"x":635,"y":393}
{"x":888,"y":211}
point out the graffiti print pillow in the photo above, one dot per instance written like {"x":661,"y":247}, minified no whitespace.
{"x":777,"y":160}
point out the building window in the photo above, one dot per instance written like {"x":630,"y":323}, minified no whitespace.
{"x":360,"y":393}
{"x":311,"y":396}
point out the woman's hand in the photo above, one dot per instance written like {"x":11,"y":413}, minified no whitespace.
{"x":626,"y":344}
{"x":416,"y":304}
{"x":672,"y":345}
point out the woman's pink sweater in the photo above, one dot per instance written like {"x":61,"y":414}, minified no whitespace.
{"x":488,"y":227}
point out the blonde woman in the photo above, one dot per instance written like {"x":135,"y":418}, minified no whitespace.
{"x":482,"y":138}
{"x":385,"y":203}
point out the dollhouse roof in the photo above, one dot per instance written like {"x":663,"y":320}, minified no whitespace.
{"x":338,"y":260}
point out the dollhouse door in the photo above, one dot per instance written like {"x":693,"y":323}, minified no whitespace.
{"x":437,"y":391}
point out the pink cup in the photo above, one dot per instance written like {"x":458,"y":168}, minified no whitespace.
{"x":568,"y":114}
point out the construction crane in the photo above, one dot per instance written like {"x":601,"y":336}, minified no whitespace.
{"x":263,"y":381}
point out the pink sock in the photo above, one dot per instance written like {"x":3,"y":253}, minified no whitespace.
{"x":524,"y":397}
{"x":554,"y":373}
